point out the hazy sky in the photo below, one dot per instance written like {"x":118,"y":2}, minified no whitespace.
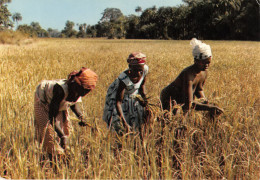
{"x":55,"y":13}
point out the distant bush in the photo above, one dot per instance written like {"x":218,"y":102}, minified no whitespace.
{"x":14,"y":37}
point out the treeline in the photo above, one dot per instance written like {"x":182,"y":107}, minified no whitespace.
{"x":204,"y":19}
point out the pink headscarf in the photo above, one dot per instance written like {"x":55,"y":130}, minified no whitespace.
{"x":85,"y":77}
{"x":136,"y":58}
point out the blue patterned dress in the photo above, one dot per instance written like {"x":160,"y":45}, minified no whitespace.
{"x":132,"y":110}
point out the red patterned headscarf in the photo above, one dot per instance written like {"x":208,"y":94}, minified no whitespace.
{"x":85,"y":77}
{"x":136,"y":58}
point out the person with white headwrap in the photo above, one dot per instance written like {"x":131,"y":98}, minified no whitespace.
{"x":200,"y":51}
{"x":189,"y":84}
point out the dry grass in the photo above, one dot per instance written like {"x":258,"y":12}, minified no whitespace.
{"x":15,"y":37}
{"x":227,"y":148}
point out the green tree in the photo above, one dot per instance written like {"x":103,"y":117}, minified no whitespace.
{"x":27,"y":29}
{"x":112,"y":24}
{"x":5,"y":1}
{"x":53,"y":32}
{"x":165,"y":17}
{"x":149,"y":15}
{"x":148,"y":21}
{"x":204,"y":19}
{"x":117,"y":28}
{"x":238,"y":19}
{"x":17,"y":17}
{"x":223,"y":19}
{"x":34,"y":29}
{"x":5,"y":21}
{"x":37,"y":28}
{"x":132,"y":26}
{"x":103,"y":29}
{"x":82,"y":30}
{"x":248,"y":21}
{"x":111,"y":14}
{"x":138,"y":9}
{"x":91,"y":31}
{"x":68,"y":30}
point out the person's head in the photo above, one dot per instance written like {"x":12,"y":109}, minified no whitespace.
{"x":136,"y":62}
{"x":83,"y":81}
{"x":202,"y":64}
{"x":201,"y":53}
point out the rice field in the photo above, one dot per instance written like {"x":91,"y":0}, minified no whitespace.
{"x":228,"y":148}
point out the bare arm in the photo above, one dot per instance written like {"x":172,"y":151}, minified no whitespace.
{"x":142,"y":88}
{"x":58,"y":95}
{"x":205,"y":106}
{"x":188,"y":95}
{"x":142,"y":92}
{"x":77,"y":111}
{"x":119,"y":100}
{"x":199,"y":93}
{"x":189,"y":101}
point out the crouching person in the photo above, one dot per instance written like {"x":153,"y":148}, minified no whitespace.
{"x":189,"y":84}
{"x":53,"y":98}
{"x":122,"y":110}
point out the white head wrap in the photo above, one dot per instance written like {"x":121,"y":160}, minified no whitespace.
{"x":200,"y":51}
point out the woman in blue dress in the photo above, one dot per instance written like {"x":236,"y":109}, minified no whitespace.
{"x":122,"y":109}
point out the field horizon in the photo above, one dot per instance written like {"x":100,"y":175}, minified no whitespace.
{"x":228,"y":148}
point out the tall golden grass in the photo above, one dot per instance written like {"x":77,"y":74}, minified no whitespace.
{"x":15,"y":37}
{"x":226,"y":148}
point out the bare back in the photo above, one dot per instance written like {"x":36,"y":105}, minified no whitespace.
{"x":188,"y":84}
